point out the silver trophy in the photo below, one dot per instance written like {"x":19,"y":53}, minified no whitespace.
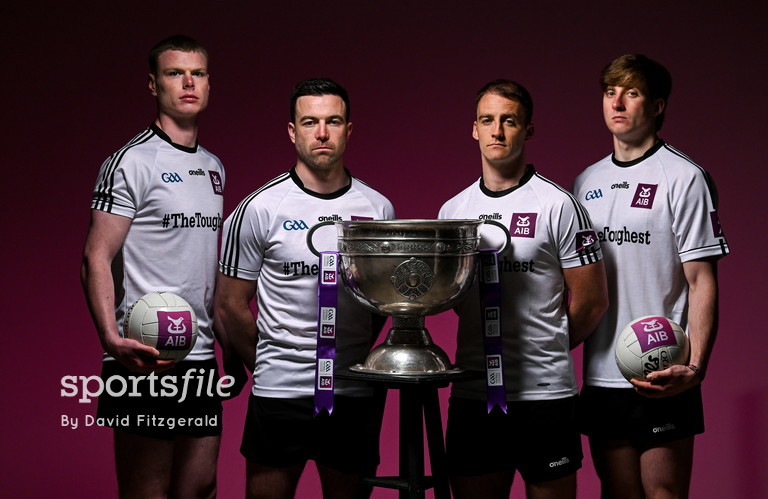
{"x":407,"y":269}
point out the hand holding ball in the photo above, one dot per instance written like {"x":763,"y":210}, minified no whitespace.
{"x":164,"y":321}
{"x":649,"y":344}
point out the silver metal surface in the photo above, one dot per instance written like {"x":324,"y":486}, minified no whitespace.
{"x":408,"y":269}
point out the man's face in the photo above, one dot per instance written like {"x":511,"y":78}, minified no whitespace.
{"x":629,"y":113}
{"x":181,"y":84}
{"x":501,"y":130}
{"x":320,"y":132}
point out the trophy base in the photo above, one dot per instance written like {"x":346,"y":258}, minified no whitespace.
{"x":408,"y":350}
{"x":360,"y":368}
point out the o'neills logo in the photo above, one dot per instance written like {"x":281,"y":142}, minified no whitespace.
{"x":199,"y":172}
{"x":331,"y":218}
{"x":494,"y":216}
{"x":662,"y":429}
{"x":623,"y":185}
{"x":561,"y":462}
{"x":644,"y":196}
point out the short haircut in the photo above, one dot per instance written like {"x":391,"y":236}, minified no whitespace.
{"x":638,"y":71}
{"x":181,"y":43}
{"x":511,"y":90}
{"x":318,"y":87}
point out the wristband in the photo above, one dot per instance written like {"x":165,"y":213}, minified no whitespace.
{"x":696,"y":370}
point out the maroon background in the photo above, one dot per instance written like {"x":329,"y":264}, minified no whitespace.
{"x":75,"y":91}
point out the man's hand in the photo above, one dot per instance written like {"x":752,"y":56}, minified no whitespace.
{"x":671,"y":381}
{"x":137,"y":356}
{"x":233,"y":367}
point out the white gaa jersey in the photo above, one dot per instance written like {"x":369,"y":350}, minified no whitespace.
{"x":651,"y":215}
{"x":264,"y":239}
{"x":550,"y":231}
{"x":173,"y":194}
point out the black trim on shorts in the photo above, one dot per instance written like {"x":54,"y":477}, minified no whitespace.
{"x":155,"y":413}
{"x":624,"y":414}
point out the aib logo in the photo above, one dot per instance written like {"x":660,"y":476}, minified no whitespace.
{"x":170,"y":178}
{"x":327,"y":331}
{"x":174,"y":330}
{"x":325,"y":382}
{"x":295,"y":225}
{"x":644,"y":196}
{"x":585,"y":239}
{"x":717,"y":229}
{"x":654,"y":332}
{"x":216,"y":183}
{"x":523,"y":225}
{"x":493,"y":361}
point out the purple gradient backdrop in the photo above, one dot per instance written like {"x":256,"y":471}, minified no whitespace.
{"x":75,"y":92}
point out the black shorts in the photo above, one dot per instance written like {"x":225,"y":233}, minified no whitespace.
{"x":283,"y":433}
{"x":157,"y":412}
{"x":540,"y":439}
{"x":624,"y":414}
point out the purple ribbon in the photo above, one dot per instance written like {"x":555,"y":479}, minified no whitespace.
{"x":327,"y":293}
{"x":490,"y":308}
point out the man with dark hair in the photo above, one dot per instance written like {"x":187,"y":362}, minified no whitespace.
{"x":265,"y":253}
{"x":551,"y":282}
{"x":664,"y":207}
{"x":318,"y":87}
{"x":138,"y":242}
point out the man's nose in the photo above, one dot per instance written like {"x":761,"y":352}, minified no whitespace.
{"x":618,"y":102}
{"x":321,"y":132}
{"x":498,"y":130}
{"x":189,"y":81}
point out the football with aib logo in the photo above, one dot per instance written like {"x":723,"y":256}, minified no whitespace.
{"x":164,"y":321}
{"x":650,"y":343}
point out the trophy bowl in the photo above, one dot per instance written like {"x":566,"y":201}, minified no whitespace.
{"x":407,"y":269}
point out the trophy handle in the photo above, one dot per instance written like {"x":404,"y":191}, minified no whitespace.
{"x":317,"y":226}
{"x":507,"y":237}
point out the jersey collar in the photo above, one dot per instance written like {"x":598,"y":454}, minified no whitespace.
{"x":650,"y":152}
{"x":331,"y":195}
{"x":529,"y":172}
{"x":160,"y":133}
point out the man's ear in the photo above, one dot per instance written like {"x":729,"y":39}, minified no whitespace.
{"x":529,"y":131}
{"x":152,"y":84}
{"x":658,"y":107}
